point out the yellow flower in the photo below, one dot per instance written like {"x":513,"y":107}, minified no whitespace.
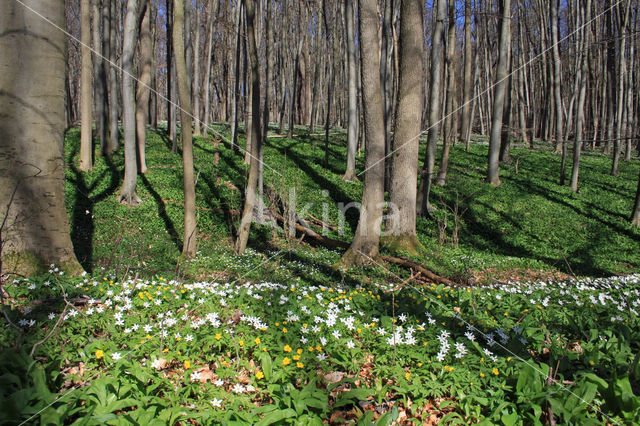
{"x":148,"y":336}
{"x":407,"y":375}
{"x":287,"y":348}
{"x":165,"y":350}
{"x":286,"y":361}
{"x":257,"y":340}
{"x":241,"y":342}
{"x":284,"y":330}
{"x":259,"y":375}
{"x":99,"y":354}
{"x":218,"y":336}
{"x":495,"y":371}
{"x":296,"y":357}
{"x":187,"y":365}
{"x":310,"y":348}
{"x":481,"y":374}
{"x":319,"y":348}
{"x":299,"y":351}
{"x":591,"y":363}
{"x":299,"y":364}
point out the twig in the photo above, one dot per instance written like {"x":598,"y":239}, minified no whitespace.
{"x":60,"y":319}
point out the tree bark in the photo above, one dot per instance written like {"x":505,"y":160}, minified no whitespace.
{"x":256,"y":146}
{"x":86,"y":102}
{"x":190,"y":231}
{"x":144,"y":82}
{"x":236,"y":84}
{"x":352,"y":126}
{"x":128,"y":195}
{"x":465,"y":127}
{"x":559,"y":141}
{"x":493,"y":176}
{"x":112,"y":48}
{"x":505,"y":139}
{"x":623,"y":14}
{"x":424,"y":206}
{"x":451,"y":105}
{"x":635,"y":214}
{"x":34,"y":229}
{"x":99,"y":99}
{"x":404,"y":161}
{"x":196,"y":76}
{"x":365,"y":245}
{"x":213,"y":7}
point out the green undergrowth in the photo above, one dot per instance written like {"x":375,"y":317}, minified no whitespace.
{"x":279,"y":336}
{"x":529,"y":227}
{"x":160,"y":351}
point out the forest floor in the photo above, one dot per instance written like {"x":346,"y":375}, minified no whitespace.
{"x":277,"y":335}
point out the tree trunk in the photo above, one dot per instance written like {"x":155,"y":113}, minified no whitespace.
{"x":622,"y":71}
{"x":493,"y":176}
{"x":190,"y":231}
{"x":451,"y":105}
{"x":505,"y":140}
{"x":144,"y":81}
{"x":34,"y":232}
{"x":352,"y":126}
{"x":256,"y":146}
{"x":611,"y":85}
{"x":267,"y":75}
{"x":112,"y":48}
{"x":557,"y":86}
{"x":99,"y":99}
{"x":628,"y":125}
{"x":153,"y":103}
{"x":294,"y":91}
{"x":86,"y":136}
{"x":423,"y":204}
{"x":213,"y":7}
{"x":128,"y":195}
{"x":635,"y":214}
{"x":170,"y":66}
{"x":465,"y":128}
{"x":582,"y":76}
{"x":386,"y":68}
{"x":366,"y":241}
{"x":404,"y":161}
{"x":236,"y":84}
{"x":196,"y":75}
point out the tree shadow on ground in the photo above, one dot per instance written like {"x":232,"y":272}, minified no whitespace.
{"x":82,"y":224}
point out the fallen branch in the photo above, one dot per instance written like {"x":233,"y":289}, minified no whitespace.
{"x":330,"y":242}
{"x":427,"y":273}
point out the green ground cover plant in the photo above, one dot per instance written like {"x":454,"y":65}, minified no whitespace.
{"x":546,"y":324}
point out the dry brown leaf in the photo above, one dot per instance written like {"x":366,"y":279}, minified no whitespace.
{"x":161,"y":364}
{"x":334,"y":377}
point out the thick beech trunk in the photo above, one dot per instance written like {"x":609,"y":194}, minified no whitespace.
{"x":366,"y":241}
{"x":34,"y":231}
{"x":401,"y":225}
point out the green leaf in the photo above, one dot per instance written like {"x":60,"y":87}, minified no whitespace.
{"x":352,"y":396}
{"x":509,"y":419}
{"x":276,"y":416}
{"x":267,"y":365}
